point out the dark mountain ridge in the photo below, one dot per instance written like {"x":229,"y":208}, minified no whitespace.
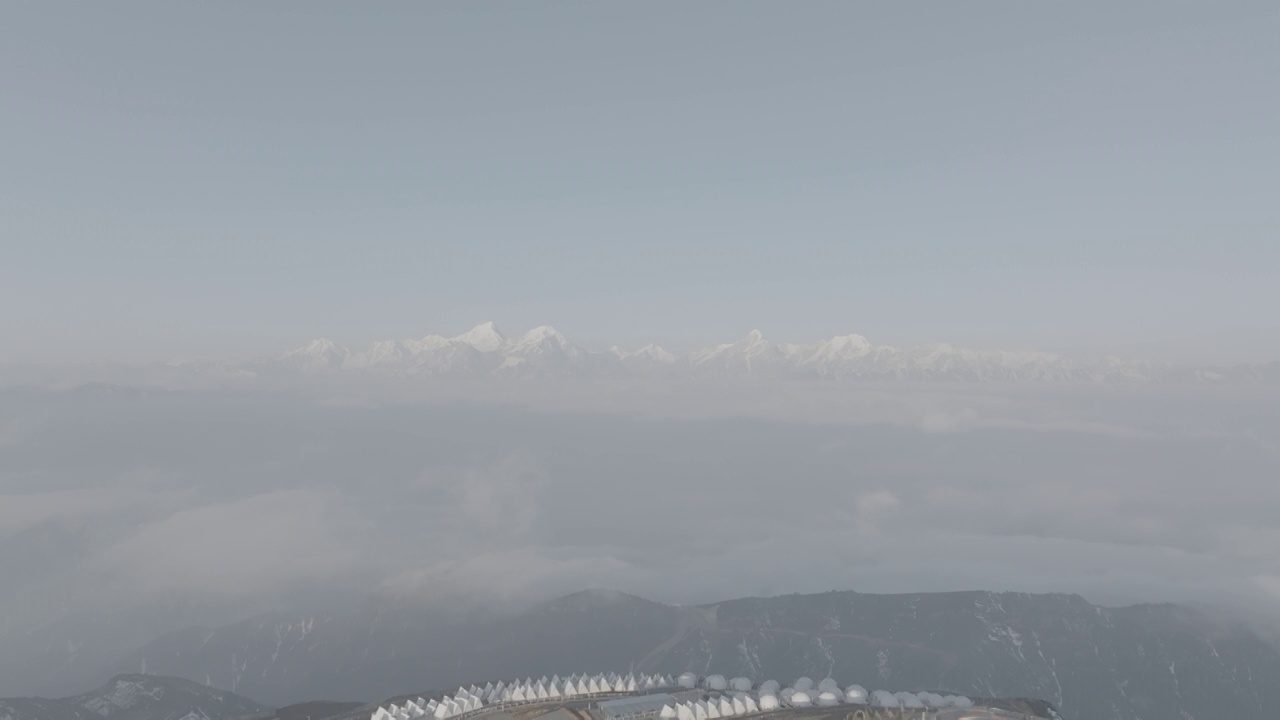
{"x":1146,"y":662}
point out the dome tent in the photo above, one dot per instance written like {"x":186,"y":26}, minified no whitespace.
{"x":828,"y":699}
{"x":717,"y":682}
{"x":770,"y":687}
{"x":800,"y":699}
{"x":803,"y":683}
{"x":768,"y":702}
{"x":884,"y":699}
{"x":855,"y":694}
{"x":828,"y":685}
{"x":909,"y":701}
{"x":741,"y":683}
{"x":687,"y":680}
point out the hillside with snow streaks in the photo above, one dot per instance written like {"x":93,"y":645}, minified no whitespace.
{"x":546,"y":352}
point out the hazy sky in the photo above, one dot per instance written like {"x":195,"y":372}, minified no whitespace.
{"x":184,"y":179}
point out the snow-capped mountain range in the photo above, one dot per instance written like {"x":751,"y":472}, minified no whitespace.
{"x":544,"y":351}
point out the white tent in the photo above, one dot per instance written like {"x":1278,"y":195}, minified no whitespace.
{"x":750,"y":702}
{"x":884,"y":699}
{"x":668,"y":681}
{"x":800,"y":698}
{"x":932,"y":700}
{"x":431,"y":706}
{"x":958,"y":701}
{"x":768,"y":702}
{"x":553,"y":691}
{"x":584,"y":688}
{"x":540,"y":691}
{"x":518,"y":695}
{"x":828,"y":698}
{"x":828,"y":685}
{"x":593,"y":687}
{"x":684,"y":712}
{"x":687,"y":680}
{"x":667,"y":712}
{"x":909,"y":700}
{"x":740,"y":683}
{"x":739,"y":707}
{"x":393,"y":709}
{"x":630,"y":684}
{"x":786,"y":694}
{"x":802,"y":683}
{"x":700,"y":710}
{"x":413,"y":709}
{"x":855,"y":694}
{"x":380,"y":714}
{"x":725,"y":707}
{"x":717,"y":682}
{"x":619,"y":685}
{"x":769,"y":687}
{"x":713,"y":711}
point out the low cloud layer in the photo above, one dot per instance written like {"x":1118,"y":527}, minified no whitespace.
{"x":219,"y":506}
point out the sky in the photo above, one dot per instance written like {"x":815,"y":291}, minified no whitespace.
{"x":227,"y":180}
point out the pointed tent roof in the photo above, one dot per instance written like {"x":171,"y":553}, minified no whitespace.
{"x":667,"y":712}
{"x":750,"y":702}
{"x":725,"y":707}
{"x":684,"y":712}
{"x":700,"y":710}
{"x":713,"y":711}
{"x":740,"y":706}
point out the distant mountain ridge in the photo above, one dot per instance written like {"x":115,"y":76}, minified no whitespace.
{"x":136,"y":697}
{"x":545,"y":351}
{"x":1143,"y":662}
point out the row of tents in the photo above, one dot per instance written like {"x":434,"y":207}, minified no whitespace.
{"x":770,"y":695}
{"x":722,"y":707}
{"x":519,"y":691}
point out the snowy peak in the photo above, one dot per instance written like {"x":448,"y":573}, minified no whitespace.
{"x":484,"y":337}
{"x":545,"y":351}
{"x":318,"y":355}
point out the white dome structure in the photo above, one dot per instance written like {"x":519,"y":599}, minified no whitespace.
{"x":909,"y":701}
{"x":884,"y":699}
{"x":958,"y":701}
{"x":803,"y":683}
{"x":932,"y":700}
{"x":828,"y":685}
{"x":717,"y":682}
{"x":769,"y":687}
{"x":687,"y":680}
{"x":855,"y":694}
{"x":768,"y":703}
{"x":800,"y":699}
{"x":786,"y":694}
{"x":828,"y":699}
{"x":741,"y":684}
